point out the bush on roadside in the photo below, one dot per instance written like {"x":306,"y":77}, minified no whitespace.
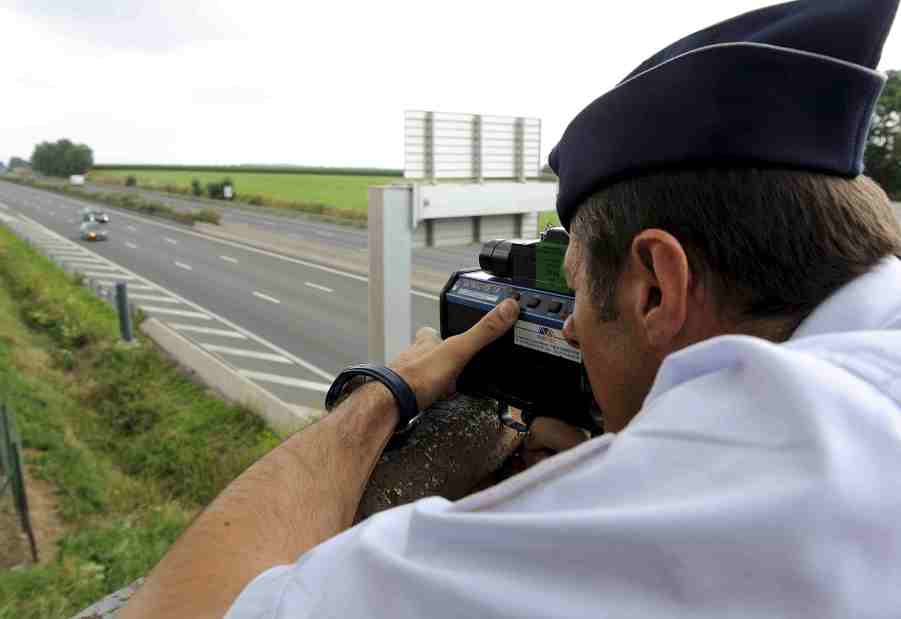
{"x":131,"y":181}
{"x":196,"y":187}
{"x":207,"y":215}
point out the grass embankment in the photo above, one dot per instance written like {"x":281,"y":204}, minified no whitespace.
{"x":121,"y":200}
{"x":133,"y":448}
{"x":338,"y":196}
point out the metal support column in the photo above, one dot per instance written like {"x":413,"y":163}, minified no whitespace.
{"x":124,"y":314}
{"x":390,"y":258}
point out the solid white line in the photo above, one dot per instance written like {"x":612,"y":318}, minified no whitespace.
{"x":115,"y":275}
{"x":131,"y":245}
{"x":153,"y":297}
{"x":170,"y":241}
{"x":318,"y":287}
{"x":229,"y":259}
{"x":182,"y":265}
{"x":285,"y":380}
{"x":301,"y":362}
{"x":222,"y":332}
{"x":165,"y":310}
{"x":250,"y":354}
{"x":266,"y":297}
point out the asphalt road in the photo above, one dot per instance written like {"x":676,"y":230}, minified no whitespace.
{"x":317,"y":315}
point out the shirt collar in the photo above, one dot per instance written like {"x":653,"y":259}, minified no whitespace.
{"x":869,"y":302}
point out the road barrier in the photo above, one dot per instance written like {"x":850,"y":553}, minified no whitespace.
{"x":11,"y":476}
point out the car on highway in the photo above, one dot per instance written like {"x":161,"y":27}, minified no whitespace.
{"x":90,"y":214}
{"x":91,"y":231}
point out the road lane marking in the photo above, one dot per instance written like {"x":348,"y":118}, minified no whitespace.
{"x":109,"y":284}
{"x":250,"y":334}
{"x":328,"y":235}
{"x":80,"y":262}
{"x":170,"y":241}
{"x":229,"y":259}
{"x":153,"y":297}
{"x":182,"y":265}
{"x":4,"y":207}
{"x":174,"y":312}
{"x":132,"y":228}
{"x":285,"y":380}
{"x":266,"y":297}
{"x":243,"y":352}
{"x":116,"y":275}
{"x":207,"y":330}
{"x":318,"y":287}
{"x":131,"y":245}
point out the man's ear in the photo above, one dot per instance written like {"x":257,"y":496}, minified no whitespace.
{"x":659,"y":286}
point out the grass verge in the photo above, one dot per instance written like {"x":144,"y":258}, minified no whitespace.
{"x":133,"y":448}
{"x":121,"y":200}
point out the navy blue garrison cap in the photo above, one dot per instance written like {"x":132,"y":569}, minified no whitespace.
{"x":791,"y":85}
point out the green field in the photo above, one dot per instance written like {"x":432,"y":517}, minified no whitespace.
{"x":339,"y":191}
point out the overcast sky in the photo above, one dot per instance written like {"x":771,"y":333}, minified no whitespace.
{"x":313,"y":83}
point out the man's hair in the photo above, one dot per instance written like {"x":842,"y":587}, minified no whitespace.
{"x":775,"y":242}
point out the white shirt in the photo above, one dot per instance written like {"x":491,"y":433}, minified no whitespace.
{"x":758,"y":480}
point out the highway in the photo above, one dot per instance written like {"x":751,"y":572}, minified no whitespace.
{"x":286,"y":323}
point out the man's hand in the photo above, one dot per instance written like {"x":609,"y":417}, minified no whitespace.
{"x":431,"y":367}
{"x":548,"y":436}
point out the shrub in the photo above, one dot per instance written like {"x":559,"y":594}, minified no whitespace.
{"x":207,"y":215}
{"x":131,"y":181}
{"x":196,"y":187}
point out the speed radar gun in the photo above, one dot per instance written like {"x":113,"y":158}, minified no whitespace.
{"x":532,"y":368}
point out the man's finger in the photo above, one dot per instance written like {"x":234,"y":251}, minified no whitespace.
{"x":492,"y":326}
{"x":553,"y":434}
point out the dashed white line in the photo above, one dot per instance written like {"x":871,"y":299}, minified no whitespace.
{"x":174,"y":312}
{"x":182,"y":265}
{"x":325,"y":234}
{"x":250,"y":354}
{"x":132,"y":228}
{"x":229,"y":259}
{"x":318,"y":287}
{"x":130,"y":245}
{"x":207,"y":330}
{"x":170,"y":241}
{"x":285,"y":380}
{"x":265,"y":297}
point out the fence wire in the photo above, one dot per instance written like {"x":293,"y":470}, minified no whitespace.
{"x":12,"y":478}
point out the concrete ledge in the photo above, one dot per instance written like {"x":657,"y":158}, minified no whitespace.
{"x":282,"y":417}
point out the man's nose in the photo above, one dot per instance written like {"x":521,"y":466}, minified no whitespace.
{"x":569,"y":333}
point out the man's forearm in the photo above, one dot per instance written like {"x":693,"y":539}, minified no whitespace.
{"x":302,"y":493}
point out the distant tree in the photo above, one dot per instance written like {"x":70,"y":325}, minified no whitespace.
{"x":882,"y":158}
{"x":17,"y":162}
{"x":62,"y":158}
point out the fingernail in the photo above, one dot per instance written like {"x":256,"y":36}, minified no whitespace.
{"x":508,"y":309}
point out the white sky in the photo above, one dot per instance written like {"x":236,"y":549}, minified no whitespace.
{"x":320,"y":82}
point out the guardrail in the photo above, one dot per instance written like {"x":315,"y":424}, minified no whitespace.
{"x":11,"y":476}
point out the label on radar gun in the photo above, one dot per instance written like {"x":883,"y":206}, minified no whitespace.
{"x":544,"y":339}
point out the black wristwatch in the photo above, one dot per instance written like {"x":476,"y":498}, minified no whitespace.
{"x":407,"y":408}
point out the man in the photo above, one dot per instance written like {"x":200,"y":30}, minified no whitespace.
{"x":738,"y":307}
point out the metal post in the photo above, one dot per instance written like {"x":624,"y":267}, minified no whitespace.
{"x":122,"y":309}
{"x":429,"y":147}
{"x":519,"y":152}
{"x":390,"y":257}
{"x":477,"y":175}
